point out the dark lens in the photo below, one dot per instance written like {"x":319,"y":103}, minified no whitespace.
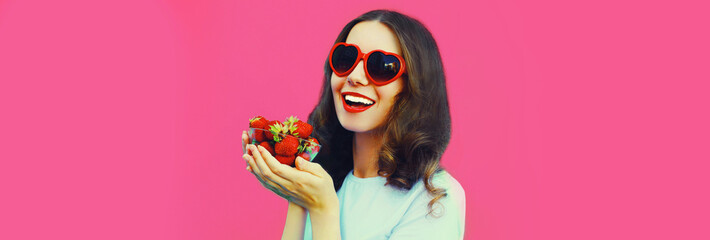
{"x":382,"y":67}
{"x":344,"y":58}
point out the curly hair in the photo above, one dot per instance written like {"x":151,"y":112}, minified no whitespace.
{"x":418,"y":127}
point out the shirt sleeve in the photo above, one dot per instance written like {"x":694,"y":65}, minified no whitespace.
{"x":445,"y":222}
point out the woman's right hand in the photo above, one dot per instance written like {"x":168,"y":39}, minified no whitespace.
{"x":296,"y":216}
{"x":267,"y":183}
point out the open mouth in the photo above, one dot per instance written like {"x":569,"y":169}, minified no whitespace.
{"x":354,"y":102}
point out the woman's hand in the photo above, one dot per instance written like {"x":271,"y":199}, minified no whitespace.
{"x":307,"y":185}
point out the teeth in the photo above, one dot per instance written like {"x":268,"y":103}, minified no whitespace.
{"x":358,"y":100}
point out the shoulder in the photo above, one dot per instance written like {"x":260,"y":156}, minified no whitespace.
{"x":444,"y":180}
{"x":454,"y":198}
{"x":451,"y":205}
{"x":445,"y":219}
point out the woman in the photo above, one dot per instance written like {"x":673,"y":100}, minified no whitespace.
{"x":383,"y":120}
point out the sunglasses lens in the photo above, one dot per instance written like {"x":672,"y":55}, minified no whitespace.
{"x":344,"y":58}
{"x":382,"y":67}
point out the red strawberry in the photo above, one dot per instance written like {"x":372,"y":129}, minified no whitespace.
{"x":268,"y":147}
{"x":303,"y":130}
{"x":260,"y":123}
{"x":288,"y":160}
{"x":305,"y":156}
{"x":287,"y":146}
{"x":269,"y":134}
{"x":313,"y":140}
{"x":259,"y":135}
{"x":298,"y":128}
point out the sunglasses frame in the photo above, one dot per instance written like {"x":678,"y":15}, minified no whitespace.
{"x":364,"y":57}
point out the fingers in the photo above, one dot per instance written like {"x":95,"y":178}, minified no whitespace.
{"x":299,"y":164}
{"x":311,"y":167}
{"x":265,"y":170}
{"x":245,"y":140}
{"x":251,"y":163}
{"x":266,"y":182}
{"x":277,"y":167}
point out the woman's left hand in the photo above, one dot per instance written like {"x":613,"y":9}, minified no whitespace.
{"x":307,"y":185}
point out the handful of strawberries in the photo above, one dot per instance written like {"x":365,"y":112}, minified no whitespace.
{"x":284,"y":140}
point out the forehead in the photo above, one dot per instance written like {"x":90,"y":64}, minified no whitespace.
{"x":372,"y":35}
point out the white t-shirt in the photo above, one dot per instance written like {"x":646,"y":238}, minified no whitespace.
{"x":371,"y":210}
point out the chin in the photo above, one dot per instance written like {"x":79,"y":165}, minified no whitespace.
{"x":354,"y":127}
{"x":357,"y":122}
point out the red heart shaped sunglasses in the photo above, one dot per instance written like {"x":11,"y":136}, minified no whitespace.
{"x":381,"y":67}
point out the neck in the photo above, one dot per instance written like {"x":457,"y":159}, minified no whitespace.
{"x":365,"y":154}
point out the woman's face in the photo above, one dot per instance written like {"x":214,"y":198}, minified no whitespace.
{"x":368,"y":35}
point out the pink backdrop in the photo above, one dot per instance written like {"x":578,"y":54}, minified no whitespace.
{"x":121,"y":119}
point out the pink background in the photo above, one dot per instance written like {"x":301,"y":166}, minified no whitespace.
{"x":571,"y":120}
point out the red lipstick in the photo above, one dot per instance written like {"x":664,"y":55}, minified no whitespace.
{"x":354,"y":109}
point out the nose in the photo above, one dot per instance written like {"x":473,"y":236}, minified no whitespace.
{"x":357,"y":76}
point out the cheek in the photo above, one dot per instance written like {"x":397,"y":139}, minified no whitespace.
{"x":336,"y":83}
{"x":388,"y":92}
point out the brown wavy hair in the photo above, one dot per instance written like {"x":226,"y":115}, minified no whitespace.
{"x":418,"y":127}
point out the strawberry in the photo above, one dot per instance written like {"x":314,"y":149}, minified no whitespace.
{"x":289,"y":128}
{"x":259,"y":135}
{"x":305,"y":156}
{"x":302,"y":147}
{"x":270,"y":127}
{"x":303,"y":130}
{"x":290,"y":120}
{"x":299,"y":128}
{"x":311,"y":145}
{"x":287,"y":146}
{"x":288,"y":160}
{"x":260,"y":123}
{"x":313,"y":140}
{"x":268,"y":147}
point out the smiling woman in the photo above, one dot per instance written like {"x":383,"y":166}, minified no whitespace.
{"x":383,"y":120}
{"x":355,"y":91}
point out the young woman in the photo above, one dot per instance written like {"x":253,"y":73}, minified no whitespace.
{"x":383,"y":122}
